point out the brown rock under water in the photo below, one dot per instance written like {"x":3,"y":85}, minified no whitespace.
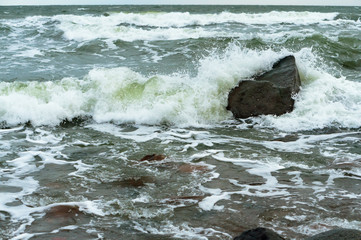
{"x":62,"y":211}
{"x":134,"y":181}
{"x":259,"y":234}
{"x":179,"y":199}
{"x":153,"y":157}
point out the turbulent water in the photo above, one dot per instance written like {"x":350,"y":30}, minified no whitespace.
{"x":88,"y":91}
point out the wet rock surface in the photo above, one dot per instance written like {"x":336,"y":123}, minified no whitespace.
{"x":259,"y":234}
{"x":134,"y":181}
{"x":268,"y":234}
{"x":338,"y":234}
{"x":269,"y":93}
{"x":153,"y":157}
{"x":61,"y":221}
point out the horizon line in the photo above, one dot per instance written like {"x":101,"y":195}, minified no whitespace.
{"x":199,"y":4}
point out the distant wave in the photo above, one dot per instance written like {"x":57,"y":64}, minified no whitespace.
{"x":152,"y":26}
{"x":184,"y":19}
{"x":179,"y":25}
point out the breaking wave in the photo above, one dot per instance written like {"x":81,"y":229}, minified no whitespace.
{"x":174,"y":25}
{"x":125,"y":96}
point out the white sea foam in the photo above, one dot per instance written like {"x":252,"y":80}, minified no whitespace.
{"x":40,"y":136}
{"x":264,"y":169}
{"x":326,"y":101}
{"x":304,"y":144}
{"x":142,"y":134}
{"x":25,"y":213}
{"x":208,"y":203}
{"x":183,"y":231}
{"x":128,"y":33}
{"x":125,"y":96}
{"x":183,"y":19}
{"x":30,"y":53}
{"x":322,"y":225}
{"x":179,"y":25}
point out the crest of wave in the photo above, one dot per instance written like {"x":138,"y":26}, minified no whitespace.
{"x":122,"y":95}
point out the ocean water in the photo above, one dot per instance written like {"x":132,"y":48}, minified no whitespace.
{"x":88,"y":91}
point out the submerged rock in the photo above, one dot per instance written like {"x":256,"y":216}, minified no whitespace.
{"x":269,"y":93}
{"x":57,"y":217}
{"x":153,"y":157}
{"x":287,"y":138}
{"x":62,"y":212}
{"x":259,"y":234}
{"x":183,"y":199}
{"x":134,"y":181}
{"x":338,"y":234}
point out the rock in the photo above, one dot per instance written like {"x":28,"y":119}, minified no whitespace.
{"x":338,"y":234}
{"x":182,"y":199}
{"x":56,"y":217}
{"x":134,"y":181}
{"x":288,"y":138}
{"x":259,"y":234}
{"x":153,"y":157}
{"x":62,"y":212}
{"x":269,"y":93}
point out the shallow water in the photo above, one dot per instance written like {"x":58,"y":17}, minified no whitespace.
{"x":86,"y":92}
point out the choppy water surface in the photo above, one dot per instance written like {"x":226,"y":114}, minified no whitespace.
{"x":88,"y":91}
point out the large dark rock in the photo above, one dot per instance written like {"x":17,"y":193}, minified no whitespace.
{"x":269,"y":93}
{"x":259,"y":234}
{"x":338,"y":234}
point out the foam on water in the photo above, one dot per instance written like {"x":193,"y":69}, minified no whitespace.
{"x":18,"y":180}
{"x":183,"y":19}
{"x":304,"y":144}
{"x":30,"y":53}
{"x":125,"y":96}
{"x":184,"y":231}
{"x":322,"y":225}
{"x":215,"y":168}
{"x":86,"y":206}
{"x":327,"y":101}
{"x":179,"y":25}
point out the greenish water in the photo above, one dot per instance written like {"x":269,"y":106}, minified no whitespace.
{"x":88,"y":91}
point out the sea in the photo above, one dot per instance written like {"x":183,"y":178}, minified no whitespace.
{"x":86,"y":92}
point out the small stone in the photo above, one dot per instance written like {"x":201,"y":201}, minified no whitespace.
{"x":134,"y":181}
{"x":288,"y":138}
{"x":153,"y":157}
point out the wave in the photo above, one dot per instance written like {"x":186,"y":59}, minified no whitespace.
{"x":153,"y":26}
{"x":125,"y":96}
{"x":184,"y":19}
{"x":184,"y":25}
{"x":326,"y":102}
{"x":128,"y":33}
{"x":4,"y":29}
